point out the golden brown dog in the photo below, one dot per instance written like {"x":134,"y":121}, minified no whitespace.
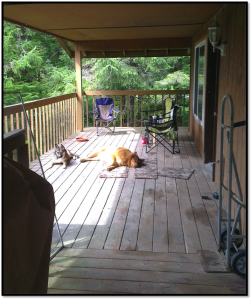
{"x":115,"y":157}
{"x":62,"y":155}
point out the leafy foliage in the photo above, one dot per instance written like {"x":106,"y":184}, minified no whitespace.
{"x":36,"y":65}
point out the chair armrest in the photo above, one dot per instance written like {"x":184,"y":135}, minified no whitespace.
{"x":93,"y":112}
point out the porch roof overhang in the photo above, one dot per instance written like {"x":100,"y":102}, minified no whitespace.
{"x":116,"y":29}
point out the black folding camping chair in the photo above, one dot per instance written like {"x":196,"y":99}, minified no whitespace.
{"x":163,"y":129}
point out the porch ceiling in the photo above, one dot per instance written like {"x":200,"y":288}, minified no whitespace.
{"x":116,"y":29}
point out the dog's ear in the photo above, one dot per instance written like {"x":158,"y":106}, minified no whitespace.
{"x":62,"y":147}
{"x":56,"y":146}
{"x":141,"y":160}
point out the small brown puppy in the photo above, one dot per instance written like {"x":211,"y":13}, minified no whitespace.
{"x":62,"y":155}
{"x":115,"y":157}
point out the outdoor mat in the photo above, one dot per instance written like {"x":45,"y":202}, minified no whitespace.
{"x":120,"y":172}
{"x":180,"y":173}
{"x":148,"y":169}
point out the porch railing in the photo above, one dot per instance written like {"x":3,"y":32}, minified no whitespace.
{"x":130,"y":104}
{"x":54,"y":119}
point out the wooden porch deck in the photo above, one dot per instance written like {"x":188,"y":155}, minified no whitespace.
{"x":134,"y":236}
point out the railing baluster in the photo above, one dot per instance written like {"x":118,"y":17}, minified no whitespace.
{"x":63,"y":120}
{"x":11,"y":122}
{"x":36,"y":128}
{"x":40,"y":132}
{"x":17,"y":121}
{"x":87,"y":109}
{"x":74,"y":115}
{"x":6,"y":124}
{"x":32,"y":128}
{"x":93,"y":110}
{"x":127,"y":104}
{"x":47,"y":129}
{"x":67,"y":117}
{"x":141,"y":97}
{"x":22,"y":120}
{"x":62,"y":127}
{"x":57,"y":123}
{"x":121,"y":111}
{"x":70,"y":117}
{"x":44,"y":130}
{"x":28,"y":136}
{"x":134,"y":108}
{"x":50,"y":126}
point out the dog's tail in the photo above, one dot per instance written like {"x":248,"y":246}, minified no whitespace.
{"x":89,"y":159}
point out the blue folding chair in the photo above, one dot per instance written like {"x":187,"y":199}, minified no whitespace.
{"x":104,"y":110}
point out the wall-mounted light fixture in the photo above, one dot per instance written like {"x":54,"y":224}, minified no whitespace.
{"x":214,"y":37}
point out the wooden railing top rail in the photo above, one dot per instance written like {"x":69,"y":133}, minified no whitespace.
{"x":16,"y":108}
{"x":12,"y":109}
{"x":156,"y":92}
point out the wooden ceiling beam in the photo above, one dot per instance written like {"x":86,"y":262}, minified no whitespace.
{"x":137,"y":53}
{"x":134,"y":44}
{"x":64,"y":45}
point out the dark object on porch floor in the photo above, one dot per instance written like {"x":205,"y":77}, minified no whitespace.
{"x":28,"y":214}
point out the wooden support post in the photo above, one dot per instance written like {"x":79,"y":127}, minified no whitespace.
{"x":79,"y":89}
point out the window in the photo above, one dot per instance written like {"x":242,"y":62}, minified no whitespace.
{"x":199,"y":81}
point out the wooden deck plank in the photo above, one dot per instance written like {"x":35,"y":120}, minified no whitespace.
{"x":207,"y":279}
{"x":113,"y":240}
{"x":145,"y":234}
{"x":175,"y":229}
{"x":130,"y":255}
{"x":210,"y":205}
{"x":130,"y":233}
{"x":94,"y":214}
{"x":176,"y":241}
{"x":192,"y":242}
{"x":75,"y":213}
{"x":160,"y":229}
{"x":136,"y":287}
{"x":104,"y":223}
{"x":124,"y":264}
{"x":201,"y":217}
{"x":160,"y":237}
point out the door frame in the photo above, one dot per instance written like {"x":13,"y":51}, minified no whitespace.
{"x":211,"y":106}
